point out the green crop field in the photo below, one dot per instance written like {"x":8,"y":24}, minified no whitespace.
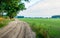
{"x":41,"y":26}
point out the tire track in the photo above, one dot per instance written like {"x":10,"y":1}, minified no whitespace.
{"x":17,"y":29}
{"x":13,"y":33}
{"x":10,"y":29}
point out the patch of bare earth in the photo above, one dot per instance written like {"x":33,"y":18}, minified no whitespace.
{"x":17,"y":29}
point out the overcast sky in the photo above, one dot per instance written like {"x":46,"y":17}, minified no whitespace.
{"x":41,"y":8}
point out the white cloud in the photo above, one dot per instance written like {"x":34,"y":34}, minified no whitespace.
{"x":44,"y":8}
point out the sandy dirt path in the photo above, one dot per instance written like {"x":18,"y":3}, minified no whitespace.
{"x":17,"y":29}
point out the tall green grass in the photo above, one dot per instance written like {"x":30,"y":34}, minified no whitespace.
{"x":38,"y":25}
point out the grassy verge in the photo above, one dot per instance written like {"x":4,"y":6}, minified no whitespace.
{"x":51,"y":27}
{"x":4,"y":23}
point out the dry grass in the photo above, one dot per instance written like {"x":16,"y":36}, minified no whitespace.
{"x":3,"y":22}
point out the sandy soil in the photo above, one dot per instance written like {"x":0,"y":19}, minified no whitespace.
{"x":17,"y":29}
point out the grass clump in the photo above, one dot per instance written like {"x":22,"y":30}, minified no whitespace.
{"x":3,"y":22}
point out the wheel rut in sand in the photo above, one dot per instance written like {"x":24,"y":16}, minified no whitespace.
{"x":17,"y":29}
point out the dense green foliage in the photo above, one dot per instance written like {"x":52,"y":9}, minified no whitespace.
{"x":38,"y":25}
{"x":11,"y":7}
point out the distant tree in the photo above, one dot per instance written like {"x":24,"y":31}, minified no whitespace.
{"x":11,"y":7}
{"x":19,"y":16}
{"x":56,"y":16}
